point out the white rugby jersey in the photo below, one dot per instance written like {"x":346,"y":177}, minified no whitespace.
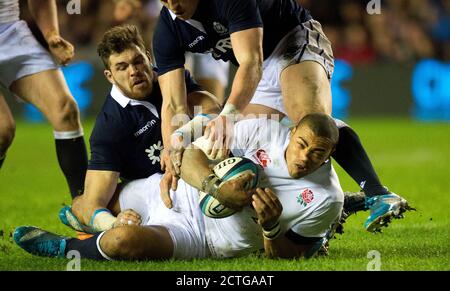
{"x":9,"y":11}
{"x":310,"y":204}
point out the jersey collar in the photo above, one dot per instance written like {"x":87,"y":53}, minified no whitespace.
{"x":192,"y":22}
{"x":123,"y":101}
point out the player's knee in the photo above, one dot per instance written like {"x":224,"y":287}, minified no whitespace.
{"x":66,"y":113}
{"x":7,"y":133}
{"x":120,"y":243}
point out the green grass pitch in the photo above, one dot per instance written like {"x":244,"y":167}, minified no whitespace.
{"x":412,"y":158}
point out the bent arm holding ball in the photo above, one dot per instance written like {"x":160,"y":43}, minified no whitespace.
{"x":230,"y":193}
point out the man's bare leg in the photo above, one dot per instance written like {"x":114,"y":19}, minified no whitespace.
{"x":306,"y":89}
{"x":261,"y":111}
{"x":137,"y":243}
{"x":48,"y":91}
{"x":121,"y":243}
{"x":7,"y":128}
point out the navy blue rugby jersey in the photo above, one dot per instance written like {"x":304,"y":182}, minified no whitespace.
{"x":127,"y":134}
{"x":214,"y":20}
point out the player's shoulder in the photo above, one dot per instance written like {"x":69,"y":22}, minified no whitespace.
{"x":111,"y":121}
{"x":115,"y":111}
{"x":165,"y":23}
{"x":165,"y":15}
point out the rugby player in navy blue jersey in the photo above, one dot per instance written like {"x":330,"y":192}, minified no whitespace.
{"x":285,"y":63}
{"x":126,"y":141}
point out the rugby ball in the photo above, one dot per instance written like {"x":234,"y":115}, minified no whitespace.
{"x":226,"y":170}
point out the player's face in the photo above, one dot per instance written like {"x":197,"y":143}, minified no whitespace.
{"x":306,"y":152}
{"x":131,"y":72}
{"x":183,"y":9}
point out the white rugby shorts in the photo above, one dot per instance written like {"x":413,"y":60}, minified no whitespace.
{"x":184,"y":221}
{"x":20,"y":53}
{"x":204,"y":66}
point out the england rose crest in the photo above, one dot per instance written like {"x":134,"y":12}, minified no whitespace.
{"x":306,"y":197}
{"x":263,"y":158}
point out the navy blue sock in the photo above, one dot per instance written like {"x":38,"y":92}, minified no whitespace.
{"x":72,"y":158}
{"x":352,"y":157}
{"x":87,"y":248}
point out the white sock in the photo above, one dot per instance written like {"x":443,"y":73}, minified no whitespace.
{"x":68,"y":134}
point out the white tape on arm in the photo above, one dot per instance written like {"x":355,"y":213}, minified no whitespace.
{"x":193,"y":128}
{"x":206,"y":145}
{"x":273,"y":232}
{"x":102,"y":220}
{"x":230,"y":111}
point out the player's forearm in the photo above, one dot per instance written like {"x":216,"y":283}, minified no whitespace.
{"x":167,"y":129}
{"x":248,"y":49}
{"x":174,"y":108}
{"x":280,"y":247}
{"x":193,"y":157}
{"x":245,"y":83}
{"x":45,"y":14}
{"x":172,"y":121}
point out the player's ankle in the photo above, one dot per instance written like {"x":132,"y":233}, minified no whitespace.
{"x":377,"y":190}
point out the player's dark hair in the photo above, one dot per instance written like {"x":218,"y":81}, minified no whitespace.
{"x":118,"y":39}
{"x":321,"y":125}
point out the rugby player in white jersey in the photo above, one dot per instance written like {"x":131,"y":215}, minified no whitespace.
{"x":285,"y":64}
{"x":298,"y":200}
{"x":31,"y":73}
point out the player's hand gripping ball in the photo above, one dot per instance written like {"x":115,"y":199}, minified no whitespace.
{"x":227,"y":170}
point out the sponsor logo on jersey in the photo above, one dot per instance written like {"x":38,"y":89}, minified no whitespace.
{"x":196,"y":41}
{"x":146,"y":127}
{"x":306,"y":197}
{"x":220,"y":28}
{"x":263,"y":158}
{"x":154,"y":152}
{"x":222,"y":46}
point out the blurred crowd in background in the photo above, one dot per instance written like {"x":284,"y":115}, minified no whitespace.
{"x":405,"y":31}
